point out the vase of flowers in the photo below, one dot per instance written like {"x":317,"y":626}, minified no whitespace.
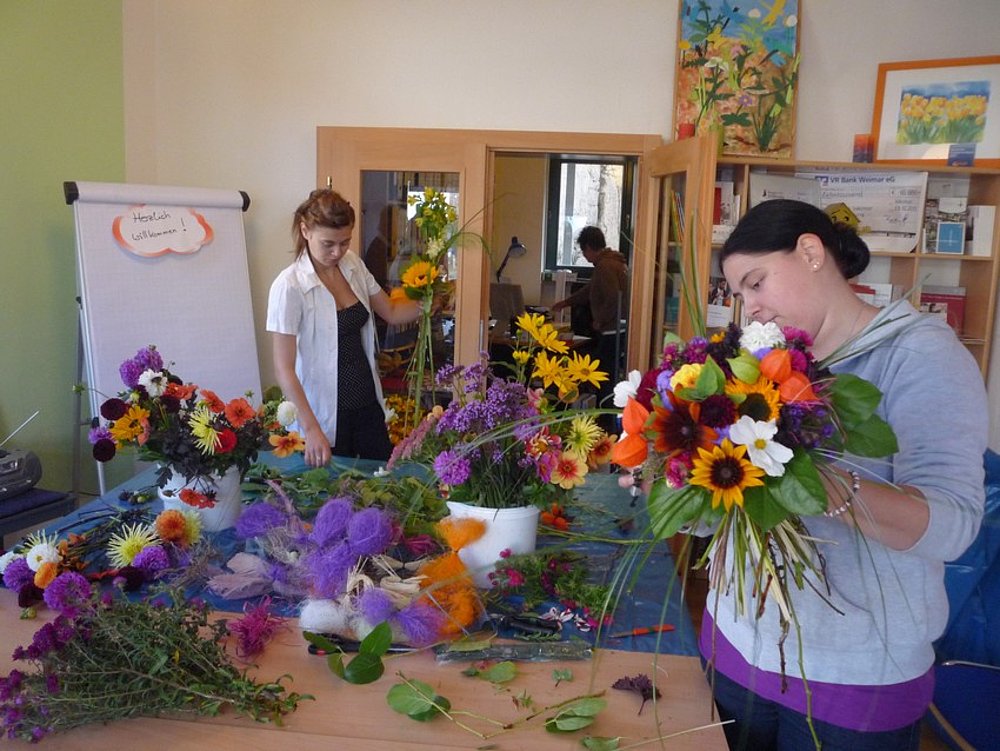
{"x":201,"y":444}
{"x":511,"y":443}
{"x":514,"y":529}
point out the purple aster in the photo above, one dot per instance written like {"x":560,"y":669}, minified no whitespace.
{"x":376,"y":605}
{"x":68,"y":593}
{"x":329,"y":569}
{"x":422,"y":624}
{"x":99,"y":433}
{"x":152,"y":559}
{"x":331,"y":521}
{"x":17,"y":575}
{"x":258,"y":519}
{"x":369,"y":532}
{"x":452,"y":467}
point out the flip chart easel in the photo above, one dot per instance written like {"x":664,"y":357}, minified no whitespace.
{"x":165,"y":266}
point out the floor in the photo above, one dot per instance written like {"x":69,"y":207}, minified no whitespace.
{"x":695,"y":595}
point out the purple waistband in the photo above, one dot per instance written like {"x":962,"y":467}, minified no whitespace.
{"x":856,"y":707}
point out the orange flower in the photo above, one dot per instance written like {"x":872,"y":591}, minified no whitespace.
{"x":196,"y":499}
{"x":45,"y":574}
{"x":555,"y":518}
{"x":397,"y":294}
{"x":239,"y":412}
{"x":679,"y":429}
{"x":215,"y":404}
{"x":569,"y":471}
{"x":171,"y":526}
{"x":777,"y":365}
{"x":797,"y":388}
{"x":632,"y":449}
{"x":179,"y":391}
{"x":601,"y":453}
{"x":286,"y":445}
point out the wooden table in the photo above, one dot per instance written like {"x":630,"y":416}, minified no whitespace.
{"x":344,"y":716}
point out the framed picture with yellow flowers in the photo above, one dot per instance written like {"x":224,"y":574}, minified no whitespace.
{"x":938,"y":112}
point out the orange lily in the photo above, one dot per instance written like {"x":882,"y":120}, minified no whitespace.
{"x":632,"y":449}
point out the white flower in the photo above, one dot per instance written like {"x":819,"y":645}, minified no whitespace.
{"x":380,"y":472}
{"x":627,"y":388}
{"x":754,"y":13}
{"x":769,"y":455}
{"x":6,"y":558}
{"x":287,"y":413}
{"x":154,"y":382}
{"x":434,"y":248}
{"x":390,"y":415}
{"x":41,"y":553}
{"x":757,"y":335}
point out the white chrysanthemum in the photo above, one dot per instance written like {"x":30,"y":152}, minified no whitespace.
{"x":287,"y":413}
{"x":6,"y":558}
{"x":763,"y":452}
{"x":757,"y":335}
{"x":390,"y":414}
{"x":41,"y":550}
{"x":627,"y":388}
{"x":154,"y":382}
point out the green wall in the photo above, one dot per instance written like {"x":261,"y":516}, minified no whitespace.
{"x":62,"y":119}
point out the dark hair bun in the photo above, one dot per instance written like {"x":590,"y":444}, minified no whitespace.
{"x":850,"y":251}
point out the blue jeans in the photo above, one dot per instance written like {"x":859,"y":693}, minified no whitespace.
{"x":762,"y":725}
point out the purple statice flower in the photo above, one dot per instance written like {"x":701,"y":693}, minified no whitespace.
{"x":331,"y":521}
{"x":376,"y":605}
{"x":258,"y":519}
{"x":663,"y":384}
{"x":369,"y":532}
{"x":52,"y":683}
{"x":696,"y":350}
{"x":17,"y":575}
{"x":152,"y":559}
{"x":452,"y":467}
{"x":447,"y":374}
{"x":329,"y":568}
{"x":99,"y":433}
{"x":421,"y":623}
{"x":145,"y":359}
{"x":69,"y":593}
{"x":51,"y":637}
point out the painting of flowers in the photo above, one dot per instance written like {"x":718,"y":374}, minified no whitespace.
{"x":923,"y":108}
{"x":737,"y":70}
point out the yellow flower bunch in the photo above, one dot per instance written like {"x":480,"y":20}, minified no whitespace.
{"x":552,"y":361}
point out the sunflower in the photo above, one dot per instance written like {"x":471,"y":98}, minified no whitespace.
{"x":760,"y":400}
{"x":583,"y":435}
{"x":726,"y":472}
{"x":419,"y":274}
{"x":126,"y":544}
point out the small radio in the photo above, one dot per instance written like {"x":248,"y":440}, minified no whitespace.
{"x":19,"y":471}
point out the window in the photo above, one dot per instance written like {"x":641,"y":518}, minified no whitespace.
{"x":586,"y":191}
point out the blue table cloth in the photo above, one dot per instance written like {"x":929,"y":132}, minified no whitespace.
{"x":645,"y":575}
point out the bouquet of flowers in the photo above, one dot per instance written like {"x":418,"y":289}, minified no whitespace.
{"x":185,"y":428}
{"x":734,"y":434}
{"x":425,"y":278}
{"x":501,"y":443}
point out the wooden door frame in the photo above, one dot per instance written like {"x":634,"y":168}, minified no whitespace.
{"x":342,"y":153}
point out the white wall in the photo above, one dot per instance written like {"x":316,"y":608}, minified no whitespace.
{"x":228,"y":93}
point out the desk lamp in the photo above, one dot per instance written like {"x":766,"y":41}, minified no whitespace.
{"x":516,"y":250}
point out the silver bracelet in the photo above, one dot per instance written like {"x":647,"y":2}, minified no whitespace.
{"x":849,"y":501}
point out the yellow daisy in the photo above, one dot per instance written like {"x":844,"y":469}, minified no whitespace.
{"x":203,"y":430}
{"x":547,"y":368}
{"x":548,"y":338}
{"x":726,"y":472}
{"x":584,"y":370}
{"x":530,"y":323}
{"x":521,"y":356}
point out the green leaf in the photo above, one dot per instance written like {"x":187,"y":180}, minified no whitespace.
{"x":336,"y":664}
{"x":364,"y":668}
{"x":502,"y":672}
{"x":854,"y":399}
{"x":562,"y":675}
{"x":711,"y":380}
{"x":672,"y":508}
{"x":378,"y":641}
{"x":590,"y":706}
{"x":417,"y":700}
{"x":321,"y":642}
{"x":745,"y":367}
{"x":873,"y":437}
{"x":601,"y":743}
{"x":800,"y":490}
{"x":567,"y":723}
{"x":762,"y":509}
